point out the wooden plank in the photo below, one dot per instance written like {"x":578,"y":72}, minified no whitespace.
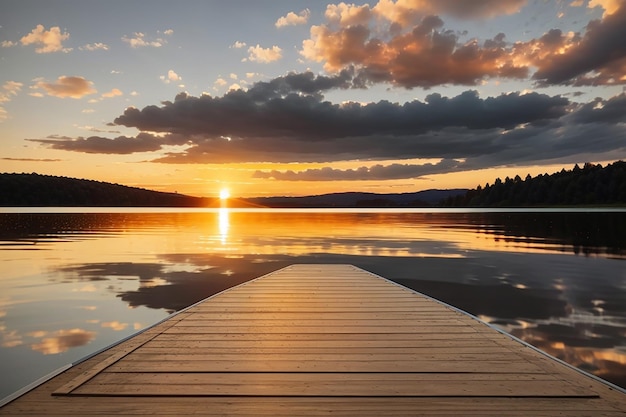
{"x":328,"y":385}
{"x":209,"y":349}
{"x":234,"y":329}
{"x":327,"y":336}
{"x":317,"y":406}
{"x":219,"y":315}
{"x":416,"y":344}
{"x":328,"y":323}
{"x":243,"y":365}
{"x":327,"y":356}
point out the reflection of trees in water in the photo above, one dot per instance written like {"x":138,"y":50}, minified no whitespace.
{"x":175,"y":289}
{"x":35,"y":227}
{"x":586,"y":232}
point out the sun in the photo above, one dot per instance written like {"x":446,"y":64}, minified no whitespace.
{"x":224,"y":194}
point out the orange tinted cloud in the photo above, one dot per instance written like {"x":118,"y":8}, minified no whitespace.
{"x":113,"y":93}
{"x":292,"y":19}
{"x":426,"y":56}
{"x":407,"y":12}
{"x":598,"y":57}
{"x":63,"y":340}
{"x":73,"y":87}
{"x":49,"y":40}
{"x":609,"y":6}
{"x":401,"y":43}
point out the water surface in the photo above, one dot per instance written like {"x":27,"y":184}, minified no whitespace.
{"x":74,"y":282}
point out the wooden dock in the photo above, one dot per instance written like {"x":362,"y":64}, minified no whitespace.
{"x":312,"y":340}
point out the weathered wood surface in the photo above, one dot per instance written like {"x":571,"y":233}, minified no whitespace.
{"x":320,"y":340}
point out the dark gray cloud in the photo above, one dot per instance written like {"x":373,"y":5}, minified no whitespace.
{"x":288,"y":120}
{"x":603,"y":111}
{"x":375,"y":172}
{"x":305,"y":82}
{"x":250,"y":115}
{"x":31,"y":159}
{"x":143,"y":142}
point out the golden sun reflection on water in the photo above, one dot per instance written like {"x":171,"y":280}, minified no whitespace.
{"x":223,"y":219}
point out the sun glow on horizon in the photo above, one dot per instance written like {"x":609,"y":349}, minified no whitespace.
{"x":224,"y":194}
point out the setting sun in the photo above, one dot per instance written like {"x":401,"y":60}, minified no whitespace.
{"x":224,"y":194}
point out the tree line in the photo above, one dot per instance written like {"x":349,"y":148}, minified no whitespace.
{"x":592,"y":184}
{"x":23,"y":190}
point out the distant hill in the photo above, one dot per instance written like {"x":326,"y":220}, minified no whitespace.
{"x":22,"y":190}
{"x":426,"y":198}
{"x":587,"y":186}
{"x":34,"y":190}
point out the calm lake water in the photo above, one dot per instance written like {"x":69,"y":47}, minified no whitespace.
{"x":72,"y":282}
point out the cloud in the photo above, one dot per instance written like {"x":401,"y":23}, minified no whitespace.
{"x":49,"y":40}
{"x":9,"y":90}
{"x":287,"y":119}
{"x":31,"y":159}
{"x":94,"y":47}
{"x":596,"y":58}
{"x":376,"y":172}
{"x":348,"y":14}
{"x":170,"y":77}
{"x":275,"y":109}
{"x":115,"y":325}
{"x":598,"y":110}
{"x":63,"y":340}
{"x":73,"y":87}
{"x":113,"y":93}
{"x":292,"y":19}
{"x":425,"y":56}
{"x":121,"y":145}
{"x":406,"y":43}
{"x":264,"y":55}
{"x":406,"y":12}
{"x":609,"y":6}
{"x":8,"y":44}
{"x":139,"y":40}
{"x":238,"y":45}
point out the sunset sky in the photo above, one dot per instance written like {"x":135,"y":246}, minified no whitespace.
{"x":307,"y":97}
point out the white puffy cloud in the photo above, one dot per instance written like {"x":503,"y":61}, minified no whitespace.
{"x":293,"y":19}
{"x":113,"y":93}
{"x":139,"y":40}
{"x":94,"y":47}
{"x":264,"y":55}
{"x":48,"y":40}
{"x":9,"y":90}
{"x":238,"y":45}
{"x":171,"y":76}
